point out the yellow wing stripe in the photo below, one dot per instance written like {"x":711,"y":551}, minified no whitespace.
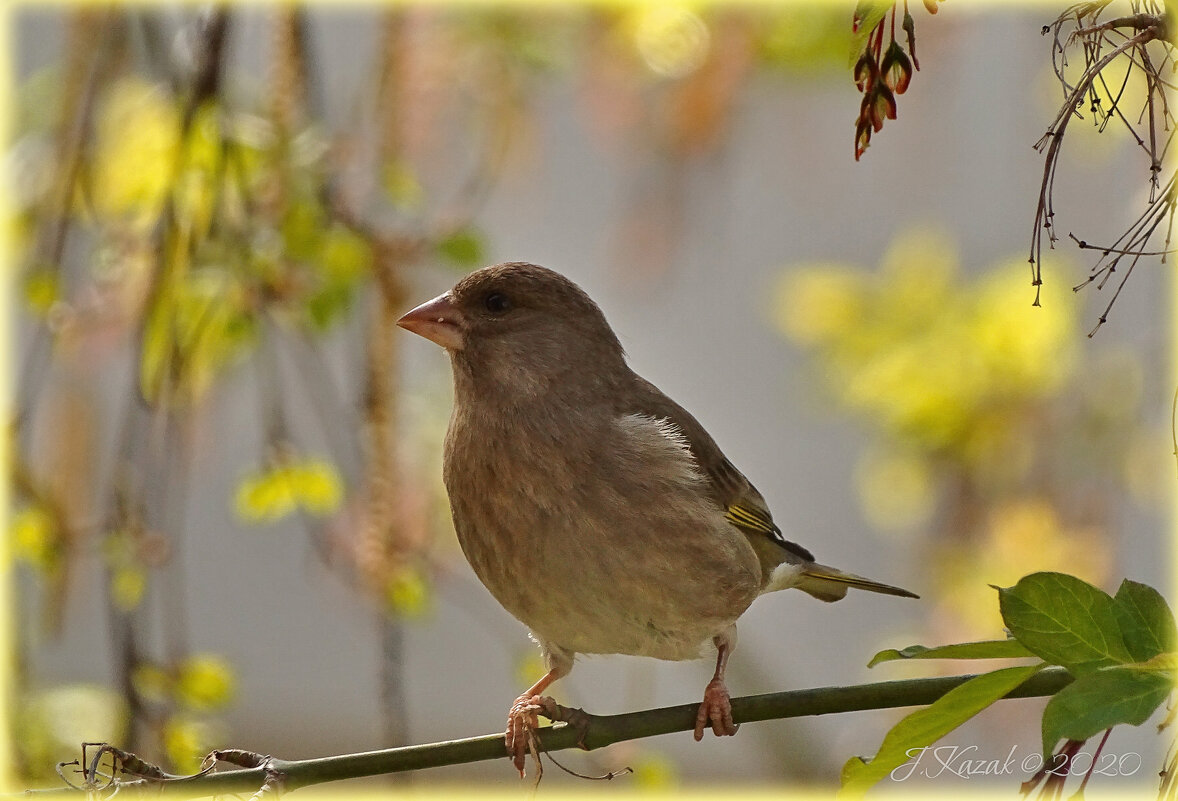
{"x":740,"y":516}
{"x":758,"y":522}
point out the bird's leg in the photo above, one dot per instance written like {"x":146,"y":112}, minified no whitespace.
{"x":521,"y":719}
{"x":717,"y":706}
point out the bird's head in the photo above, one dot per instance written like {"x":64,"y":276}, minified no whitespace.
{"x":519,"y":322}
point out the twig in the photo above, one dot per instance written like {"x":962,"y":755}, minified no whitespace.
{"x":1053,"y":139}
{"x":1084,"y":245}
{"x":602,"y":730}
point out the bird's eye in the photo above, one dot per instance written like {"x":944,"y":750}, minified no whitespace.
{"x":496,"y":303}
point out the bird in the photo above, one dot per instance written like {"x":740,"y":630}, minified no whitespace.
{"x":595,"y":509}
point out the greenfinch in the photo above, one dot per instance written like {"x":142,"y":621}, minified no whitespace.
{"x":594,"y":508}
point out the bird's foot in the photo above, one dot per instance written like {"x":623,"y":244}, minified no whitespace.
{"x":716,"y":710}
{"x":522,"y":723}
{"x":520,"y":736}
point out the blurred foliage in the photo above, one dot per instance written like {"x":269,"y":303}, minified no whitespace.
{"x":134,"y":155}
{"x":34,"y":538}
{"x":407,"y":593}
{"x":127,"y":569}
{"x":935,"y":362}
{"x":966,"y":390}
{"x":654,"y":772}
{"x":181,"y":698}
{"x":465,"y":248}
{"x":204,"y":682}
{"x":188,"y":739}
{"x":51,"y":724}
{"x":289,"y":484}
{"x":174,"y":212}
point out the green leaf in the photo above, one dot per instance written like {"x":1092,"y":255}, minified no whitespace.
{"x":1100,"y":700}
{"x":868,"y":13}
{"x":925,"y":726}
{"x":464,"y":247}
{"x":1162,"y":663}
{"x":1147,"y":624}
{"x":1065,"y":621}
{"x":985,"y":649}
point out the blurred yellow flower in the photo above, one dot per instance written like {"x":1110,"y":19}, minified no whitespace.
{"x":34,"y":538}
{"x":917,"y":274}
{"x":407,"y":593}
{"x":1028,"y":351}
{"x":1020,"y":537}
{"x":923,"y":353}
{"x":316,"y":486}
{"x":136,"y":143}
{"x":204,"y":681}
{"x":311,"y":484}
{"x":127,"y":586}
{"x":895,"y":489}
{"x":264,"y":497}
{"x":818,"y":302}
{"x":654,"y":771}
{"x":188,"y":740}
{"x":152,"y":682}
{"x":42,"y":288}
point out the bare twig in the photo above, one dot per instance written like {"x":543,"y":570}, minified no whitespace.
{"x":1092,"y":37}
{"x":1053,"y":139}
{"x":603,"y":730}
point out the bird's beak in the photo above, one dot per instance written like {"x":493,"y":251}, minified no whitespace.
{"x":437,"y":320}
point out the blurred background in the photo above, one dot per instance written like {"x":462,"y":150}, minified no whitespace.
{"x":228,"y":525}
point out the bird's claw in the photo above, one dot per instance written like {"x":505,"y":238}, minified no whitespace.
{"x":521,"y":729}
{"x":522,"y":722}
{"x":716,"y":709}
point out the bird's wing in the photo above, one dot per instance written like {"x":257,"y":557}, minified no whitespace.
{"x":783,"y":563}
{"x":743,"y":505}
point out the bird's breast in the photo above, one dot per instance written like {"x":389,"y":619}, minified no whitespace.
{"x":596,"y":539}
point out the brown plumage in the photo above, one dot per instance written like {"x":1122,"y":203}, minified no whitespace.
{"x":595,"y":509}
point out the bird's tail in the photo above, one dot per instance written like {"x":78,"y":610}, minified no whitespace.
{"x":830,"y":584}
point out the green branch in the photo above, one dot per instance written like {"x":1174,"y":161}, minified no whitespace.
{"x":603,"y":730}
